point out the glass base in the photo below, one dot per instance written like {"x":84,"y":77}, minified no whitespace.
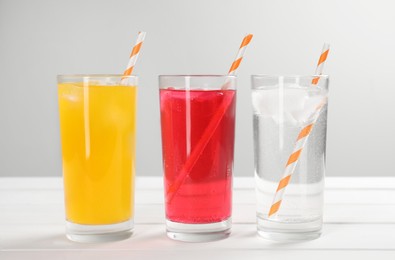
{"x":99,"y":233}
{"x":198,"y":232}
{"x":289,"y":231}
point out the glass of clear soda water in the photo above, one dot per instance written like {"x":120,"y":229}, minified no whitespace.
{"x":289,"y":122}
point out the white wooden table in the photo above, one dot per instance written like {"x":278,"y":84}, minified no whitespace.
{"x":359,"y":222}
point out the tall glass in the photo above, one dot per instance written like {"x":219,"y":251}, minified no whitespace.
{"x":98,"y":128}
{"x":198,"y":127}
{"x":290,"y":118}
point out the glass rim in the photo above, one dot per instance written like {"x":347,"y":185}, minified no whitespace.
{"x":197,"y":76}
{"x":86,"y":76}
{"x":288,"y":76}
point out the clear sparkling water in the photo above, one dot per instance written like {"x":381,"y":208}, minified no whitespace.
{"x":279,"y":116}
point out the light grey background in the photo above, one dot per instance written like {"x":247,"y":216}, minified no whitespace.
{"x":43,"y":38}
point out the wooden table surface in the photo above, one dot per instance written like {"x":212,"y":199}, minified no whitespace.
{"x":359,"y":221}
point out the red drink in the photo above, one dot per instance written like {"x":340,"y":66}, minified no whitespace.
{"x":201,"y":192}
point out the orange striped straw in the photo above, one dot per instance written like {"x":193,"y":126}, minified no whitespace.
{"x":240,"y":54}
{"x":321,"y":62}
{"x":134,"y":55}
{"x":301,"y":140}
{"x":238,"y":59}
{"x":210,"y":128}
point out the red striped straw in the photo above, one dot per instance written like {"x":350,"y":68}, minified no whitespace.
{"x":301,"y":140}
{"x":134,"y":55}
{"x":211,"y":127}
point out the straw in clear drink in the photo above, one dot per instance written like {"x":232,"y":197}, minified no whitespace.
{"x":300,"y":141}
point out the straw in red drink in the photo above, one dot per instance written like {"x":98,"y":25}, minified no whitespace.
{"x":211,"y":127}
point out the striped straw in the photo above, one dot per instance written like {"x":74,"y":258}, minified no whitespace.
{"x":134,"y":55}
{"x":211,"y":127}
{"x":240,"y":54}
{"x":321,"y":63}
{"x":301,"y":140}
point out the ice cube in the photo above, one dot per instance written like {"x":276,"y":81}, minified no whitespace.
{"x":283,"y":118}
{"x":310,"y":107}
{"x":71,"y":92}
{"x":278,"y":103}
{"x":293,"y":104}
{"x":293,"y":99}
{"x":265,"y":102}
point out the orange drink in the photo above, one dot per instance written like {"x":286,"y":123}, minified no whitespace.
{"x":97,"y":126}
